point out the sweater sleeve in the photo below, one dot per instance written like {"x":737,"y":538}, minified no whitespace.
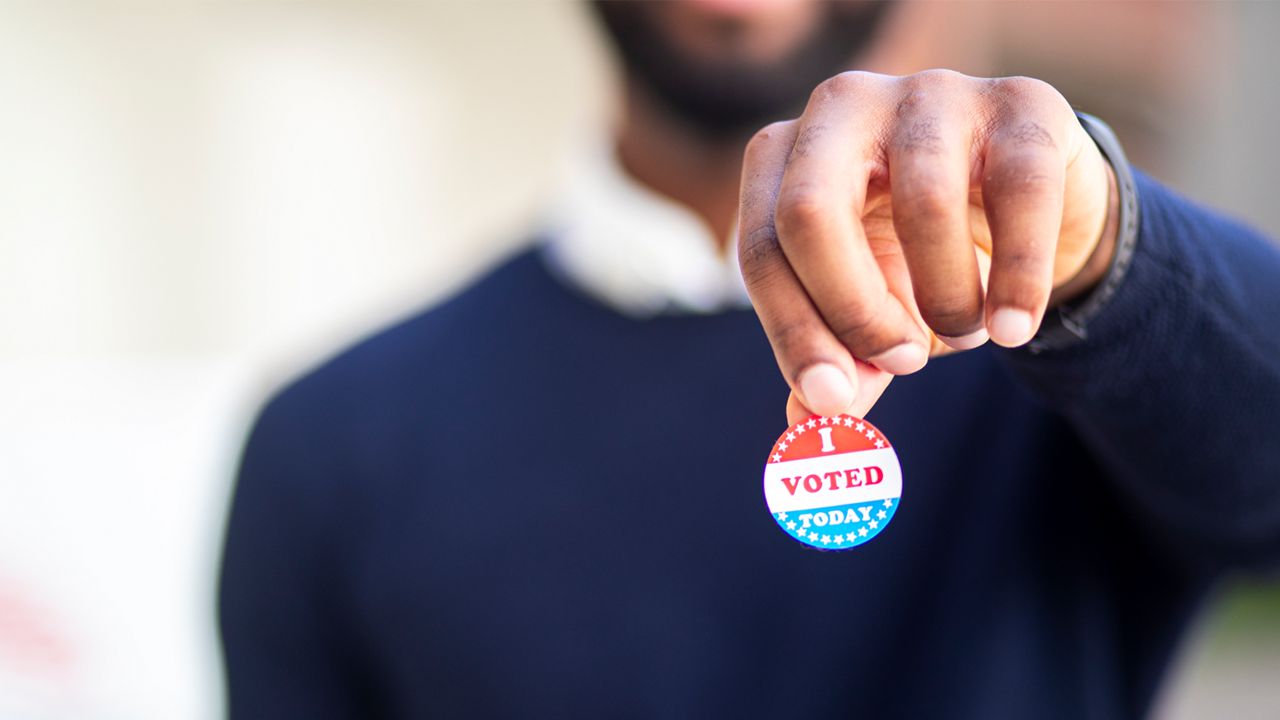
{"x":282,"y":633}
{"x":1177,"y":387}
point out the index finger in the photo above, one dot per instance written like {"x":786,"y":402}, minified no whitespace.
{"x":819,"y":369}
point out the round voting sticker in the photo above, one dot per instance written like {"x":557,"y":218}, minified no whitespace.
{"x":832,"y":483}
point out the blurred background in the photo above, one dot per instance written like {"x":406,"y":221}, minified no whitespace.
{"x":200,"y":200}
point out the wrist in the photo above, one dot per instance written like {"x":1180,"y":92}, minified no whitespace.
{"x":1066,"y":323}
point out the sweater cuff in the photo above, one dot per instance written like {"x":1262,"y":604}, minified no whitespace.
{"x":1140,"y":320}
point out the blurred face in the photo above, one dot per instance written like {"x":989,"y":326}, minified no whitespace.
{"x":727,"y":67}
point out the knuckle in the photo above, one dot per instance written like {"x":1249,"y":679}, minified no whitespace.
{"x":859,"y":325}
{"x":1027,"y":135}
{"x":952,"y":316}
{"x":807,"y":138}
{"x":921,"y":89}
{"x":794,"y":342}
{"x":825,"y":91}
{"x":838,"y":86}
{"x":760,"y":275}
{"x":1022,"y":86}
{"x":911,"y":102}
{"x":759,"y":255}
{"x":921,"y":135}
{"x":936,"y":78}
{"x":1023,"y":177}
{"x":1023,"y":266}
{"x":801,"y":211}
{"x":1040,"y":90}
{"x":767,"y":136}
{"x":1028,"y":92}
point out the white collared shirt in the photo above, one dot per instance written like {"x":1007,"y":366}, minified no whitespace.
{"x":634,"y":250}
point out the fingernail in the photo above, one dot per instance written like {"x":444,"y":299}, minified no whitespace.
{"x":826,"y":389}
{"x":901,"y":359}
{"x":966,"y":342}
{"x":1010,"y":327}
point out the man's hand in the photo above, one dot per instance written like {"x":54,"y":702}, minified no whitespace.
{"x":904,"y":217}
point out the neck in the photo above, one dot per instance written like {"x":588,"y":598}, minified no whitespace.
{"x":677,"y":162}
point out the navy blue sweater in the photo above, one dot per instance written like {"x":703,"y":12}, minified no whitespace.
{"x":446,"y":521}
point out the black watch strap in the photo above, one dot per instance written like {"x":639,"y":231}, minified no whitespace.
{"x":1067,"y":325}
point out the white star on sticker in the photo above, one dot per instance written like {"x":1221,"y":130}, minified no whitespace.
{"x":874,"y":524}
{"x":880,"y":514}
{"x":813,"y":535}
{"x":782,"y":446}
{"x":824,"y":421}
{"x":777,"y":457}
{"x":791,"y":524}
{"x":879,"y":443}
{"x":860,"y":427}
{"x":862,"y":532}
{"x":871,"y":434}
{"x":848,"y":422}
{"x":888,"y":502}
{"x":782,"y":516}
{"x":826,"y":540}
{"x":791,"y":436}
{"x":800,"y":428}
{"x":811,"y":423}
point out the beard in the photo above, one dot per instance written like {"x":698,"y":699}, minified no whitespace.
{"x":733,"y":97}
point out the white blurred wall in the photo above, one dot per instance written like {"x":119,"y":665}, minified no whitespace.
{"x":198,"y":200}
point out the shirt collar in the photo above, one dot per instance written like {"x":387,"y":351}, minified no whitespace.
{"x":634,"y":250}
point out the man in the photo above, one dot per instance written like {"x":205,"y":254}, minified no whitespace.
{"x":541,"y":498}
